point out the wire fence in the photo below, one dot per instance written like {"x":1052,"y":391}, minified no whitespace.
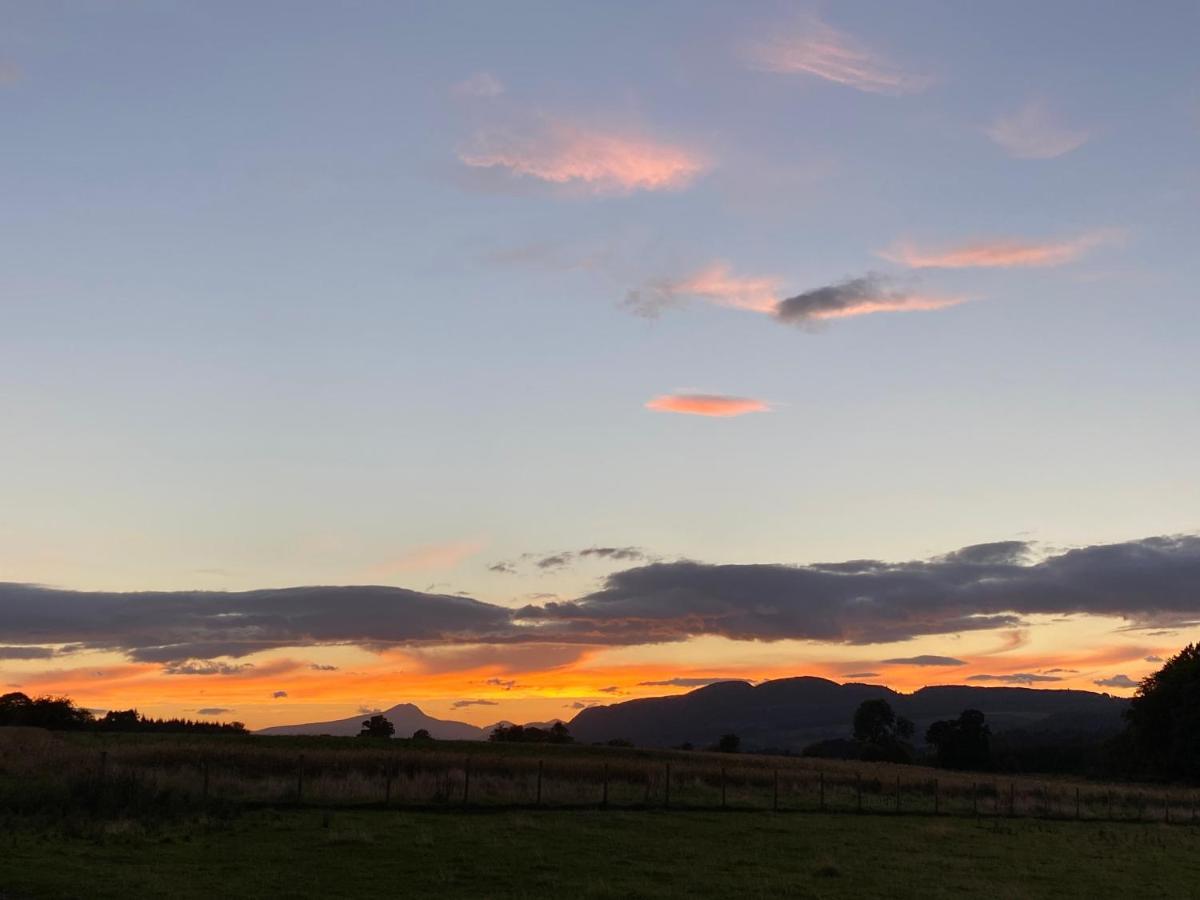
{"x":477,"y":781}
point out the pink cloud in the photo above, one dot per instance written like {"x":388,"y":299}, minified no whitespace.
{"x":814,"y":48}
{"x":426,"y":558}
{"x":716,"y":405}
{"x":1033,"y":132}
{"x":604,"y":162}
{"x":893,"y":303}
{"x":481,"y":84}
{"x":714,"y":283}
{"x":1002,"y":253}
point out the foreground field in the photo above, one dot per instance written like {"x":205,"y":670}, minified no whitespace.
{"x":310,"y":853}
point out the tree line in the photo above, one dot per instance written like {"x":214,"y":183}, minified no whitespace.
{"x":61,"y":714}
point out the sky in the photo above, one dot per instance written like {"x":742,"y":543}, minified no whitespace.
{"x":615,"y":347}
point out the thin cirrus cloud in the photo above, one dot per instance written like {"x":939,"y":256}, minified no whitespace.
{"x":1034,"y":132}
{"x":481,"y":84}
{"x":1117,"y":681}
{"x":427,"y":558}
{"x":814,"y":48}
{"x":718,"y":406}
{"x":924,"y":660}
{"x":602,"y":162}
{"x":998,"y":253}
{"x":716,"y":284}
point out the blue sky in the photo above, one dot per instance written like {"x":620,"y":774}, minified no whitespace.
{"x":274,"y":313}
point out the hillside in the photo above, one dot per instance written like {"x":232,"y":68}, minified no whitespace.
{"x":405,"y":716}
{"x":791,"y":713}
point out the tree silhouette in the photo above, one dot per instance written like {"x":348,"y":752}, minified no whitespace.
{"x":422,"y":734}
{"x":377,"y":727}
{"x":881,"y":733}
{"x":962,"y":743}
{"x":1164,"y":717}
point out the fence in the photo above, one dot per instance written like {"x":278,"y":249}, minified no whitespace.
{"x":477,"y":781}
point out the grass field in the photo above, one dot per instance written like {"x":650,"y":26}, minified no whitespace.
{"x":309,"y":853}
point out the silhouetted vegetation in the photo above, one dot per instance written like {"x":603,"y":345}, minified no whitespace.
{"x":377,"y":727}
{"x":729,"y":743}
{"x":882,"y":734}
{"x":528,"y":734}
{"x":61,"y":714}
{"x":962,"y":743}
{"x":1163,"y":736}
{"x":422,"y":736}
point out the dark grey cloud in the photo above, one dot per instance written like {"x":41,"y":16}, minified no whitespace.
{"x":460,"y":704}
{"x":1154,"y":659}
{"x":506,"y":684}
{"x":321,"y":667}
{"x":686,"y":682}
{"x":279,"y":695}
{"x":1015,"y":678}
{"x":854,"y":296}
{"x":504,"y":568}
{"x":555,"y":561}
{"x":870,"y":601}
{"x":1060,"y":672}
{"x":578,"y":704}
{"x":26,"y":652}
{"x":923,"y":660}
{"x":213,"y":711}
{"x":1148,"y":582}
{"x":174,"y":627}
{"x":612,"y":689}
{"x":861,"y":675}
{"x":1116,"y":681}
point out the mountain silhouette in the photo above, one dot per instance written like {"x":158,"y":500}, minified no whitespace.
{"x":405,"y":716}
{"x":790,"y":713}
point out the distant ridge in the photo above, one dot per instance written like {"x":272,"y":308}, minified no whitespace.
{"x":790,"y":713}
{"x":405,"y":716}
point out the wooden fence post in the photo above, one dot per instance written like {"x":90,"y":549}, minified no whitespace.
{"x":937,"y":802}
{"x":858,"y":788}
{"x":300,"y":780}
{"x":975,"y":798}
{"x":204,"y":781}
{"x":897,"y":793}
{"x":1166,"y":807}
{"x":387,"y":790}
{"x":466,"y":781}
{"x":1108,"y":800}
{"x":649,"y":777}
{"x":541,"y":764}
{"x":667,"y":789}
{"x":604,"y":798}
{"x":1076,"y":803}
{"x":821,"y":789}
{"x":722,"y":787}
{"x":775,"y":795}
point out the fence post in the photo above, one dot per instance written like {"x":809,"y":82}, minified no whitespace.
{"x":667,"y":789}
{"x":1108,"y":798}
{"x":541,"y":764}
{"x":204,"y":782}
{"x":649,"y":776}
{"x":604,"y":799}
{"x":387,"y":790}
{"x":1012,"y":800}
{"x":937,"y":802}
{"x":466,"y":780}
{"x":975,"y":798}
{"x":1166,"y":807}
{"x":858,"y":788}
{"x":1076,"y":803}
{"x":821,"y":789}
{"x":775,"y":795}
{"x":897,"y":793}
{"x":300,"y":780}
{"x":722,"y":787}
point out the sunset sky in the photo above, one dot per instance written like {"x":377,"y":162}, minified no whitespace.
{"x":608,"y":348}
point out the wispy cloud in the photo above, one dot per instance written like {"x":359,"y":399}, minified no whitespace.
{"x":715,"y":283}
{"x":715,"y":405}
{"x":463,"y":704}
{"x":1117,"y":681}
{"x":924,"y":660}
{"x":1034,"y":132}
{"x":279,"y":695}
{"x":814,"y":48}
{"x":426,"y":558}
{"x":861,"y":675}
{"x":858,"y":297}
{"x":481,"y":84}
{"x":686,"y":682}
{"x":1015,"y":678}
{"x":213,"y":711}
{"x":997,"y":253}
{"x":563,"y":153}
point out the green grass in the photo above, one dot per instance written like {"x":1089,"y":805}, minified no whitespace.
{"x":310,"y":853}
